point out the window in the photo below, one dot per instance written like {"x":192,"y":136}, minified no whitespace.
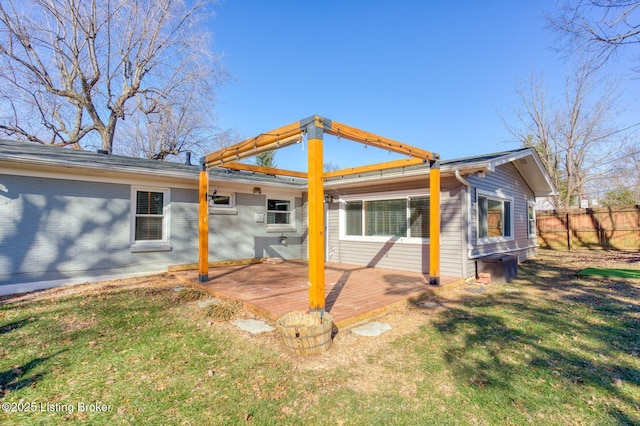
{"x":385,"y":218}
{"x":221,"y":201}
{"x":278,"y":212}
{"x":149,"y":218}
{"x":419,"y":217}
{"x":495,"y":218}
{"x":402,"y":217}
{"x":531,"y":216}
{"x":353,"y":212}
{"x":149,"y":215}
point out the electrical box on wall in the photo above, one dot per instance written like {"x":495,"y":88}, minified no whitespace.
{"x":259,"y":217}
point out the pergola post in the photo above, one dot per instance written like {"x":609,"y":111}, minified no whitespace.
{"x":315,"y":126}
{"x":434,"y":222}
{"x":316,"y":217}
{"x":203,"y":226}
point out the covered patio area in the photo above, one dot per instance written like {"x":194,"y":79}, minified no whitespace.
{"x":352,"y":293}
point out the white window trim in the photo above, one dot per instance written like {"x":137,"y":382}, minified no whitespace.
{"x":496,"y":197}
{"x":151,"y":245}
{"x":232,"y":201}
{"x":281,"y":227}
{"x":395,"y":195}
{"x":532,"y":203}
{"x":222,"y":209}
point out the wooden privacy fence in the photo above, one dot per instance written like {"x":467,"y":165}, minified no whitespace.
{"x":608,"y":228}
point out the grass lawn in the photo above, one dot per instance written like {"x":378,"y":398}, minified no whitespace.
{"x":548,"y":348}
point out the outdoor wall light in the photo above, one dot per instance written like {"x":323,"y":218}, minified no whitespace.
{"x":328,"y":198}
{"x":283,"y":240}
{"x":257,"y":190}
{"x":210,"y":197}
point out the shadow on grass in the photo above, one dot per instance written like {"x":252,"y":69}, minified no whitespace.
{"x":7,"y":328}
{"x":18,"y":377}
{"x":583,"y":335}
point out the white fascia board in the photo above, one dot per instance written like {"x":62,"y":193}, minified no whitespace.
{"x":73,"y":171}
{"x":360,"y":180}
{"x":510,"y":158}
{"x":469,"y":167}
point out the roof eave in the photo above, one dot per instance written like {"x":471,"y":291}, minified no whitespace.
{"x":142,"y":171}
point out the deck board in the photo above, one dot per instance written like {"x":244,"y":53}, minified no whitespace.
{"x":353,"y":293}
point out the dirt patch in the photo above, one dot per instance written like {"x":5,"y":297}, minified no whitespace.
{"x":141,"y":284}
{"x":72,"y":323}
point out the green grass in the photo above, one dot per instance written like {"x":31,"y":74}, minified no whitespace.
{"x":563,"y":350}
{"x":611,"y":272}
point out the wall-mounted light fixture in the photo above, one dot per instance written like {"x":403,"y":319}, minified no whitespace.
{"x":211,"y":196}
{"x":283,"y":239}
{"x":328,"y":198}
{"x":257,"y":190}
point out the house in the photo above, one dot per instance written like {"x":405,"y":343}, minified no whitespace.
{"x":75,"y":216}
{"x":487,"y":207}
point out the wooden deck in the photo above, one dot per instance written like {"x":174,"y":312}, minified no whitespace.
{"x":353,"y":293}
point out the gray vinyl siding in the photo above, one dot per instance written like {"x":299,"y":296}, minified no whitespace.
{"x":334,"y":232}
{"x":239,"y":236}
{"x":510,"y":182}
{"x":54,"y":229}
{"x":57,"y":229}
{"x":406,"y":256}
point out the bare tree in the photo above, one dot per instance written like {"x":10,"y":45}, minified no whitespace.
{"x":71,"y":70}
{"x":626,"y":172}
{"x":597,"y":27}
{"x":171,"y":129}
{"x":574,"y":137}
{"x":535,"y":128}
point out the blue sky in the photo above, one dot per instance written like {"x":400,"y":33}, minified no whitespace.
{"x":437,"y":75}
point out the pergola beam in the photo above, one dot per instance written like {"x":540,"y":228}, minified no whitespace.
{"x":278,"y":138}
{"x":264,"y":170}
{"x":374,"y":167}
{"x":314,"y":127}
{"x":347,"y":132}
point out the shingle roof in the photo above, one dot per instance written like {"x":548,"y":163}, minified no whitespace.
{"x":55,"y":154}
{"x":52,"y":155}
{"x":480,"y":158}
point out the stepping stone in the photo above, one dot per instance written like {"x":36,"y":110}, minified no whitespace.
{"x":473,"y":290}
{"x":431,"y":305}
{"x":176,"y":289}
{"x":374,"y":328}
{"x":252,"y":326}
{"x":208,"y":302}
{"x":512,"y":290}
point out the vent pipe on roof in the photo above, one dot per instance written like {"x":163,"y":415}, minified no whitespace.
{"x":187,"y":159}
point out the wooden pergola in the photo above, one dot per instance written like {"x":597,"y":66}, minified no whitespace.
{"x":314,"y":128}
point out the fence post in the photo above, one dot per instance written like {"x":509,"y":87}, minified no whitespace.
{"x":568,"y":234}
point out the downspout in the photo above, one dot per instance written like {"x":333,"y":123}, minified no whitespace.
{"x":468,"y":185}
